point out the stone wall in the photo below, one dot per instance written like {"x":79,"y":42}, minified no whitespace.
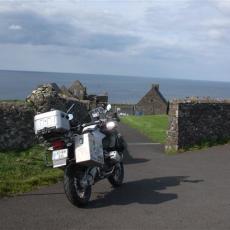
{"x":197,"y":121}
{"x":16,"y":119}
{"x":124,"y":109}
{"x":16,"y":126}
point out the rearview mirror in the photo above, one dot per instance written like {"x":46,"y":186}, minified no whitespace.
{"x":108,"y":107}
{"x":70,"y":117}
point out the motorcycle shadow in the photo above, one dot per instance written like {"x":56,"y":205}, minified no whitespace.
{"x":128,"y":159}
{"x":144,"y":191}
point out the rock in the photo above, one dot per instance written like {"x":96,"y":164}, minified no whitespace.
{"x":46,"y":98}
{"x":78,"y":90}
{"x":65,"y":92}
{"x":55,"y":87}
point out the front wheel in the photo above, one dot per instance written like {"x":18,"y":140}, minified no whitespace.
{"x":116,"y":179}
{"x":76,"y":194}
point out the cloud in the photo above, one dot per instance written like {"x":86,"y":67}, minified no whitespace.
{"x":167,"y":53}
{"x":220,"y":22}
{"x":110,"y":42}
{"x":42,"y":30}
{"x":118,"y":35}
{"x":223,"y":5}
{"x":15,"y":27}
{"x":197,"y":26}
{"x":37,"y":29}
{"x":215,"y":34}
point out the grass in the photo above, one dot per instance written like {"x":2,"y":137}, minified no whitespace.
{"x":12,"y":101}
{"x":204,"y":144}
{"x":22,"y":171}
{"x":153,"y":126}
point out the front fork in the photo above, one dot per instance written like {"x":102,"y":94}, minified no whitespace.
{"x":89,"y":176}
{"x":94,"y":174}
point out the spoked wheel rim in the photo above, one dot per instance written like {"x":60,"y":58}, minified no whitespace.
{"x":117,"y":172}
{"x":81,"y":192}
{"x":76,"y":193}
{"x":116,"y":179}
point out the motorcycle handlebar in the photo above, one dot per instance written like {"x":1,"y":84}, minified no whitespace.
{"x":92,"y":123}
{"x":78,"y":127}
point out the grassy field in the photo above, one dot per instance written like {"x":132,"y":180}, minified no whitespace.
{"x":22,"y":171}
{"x":12,"y":101}
{"x":153,"y":126}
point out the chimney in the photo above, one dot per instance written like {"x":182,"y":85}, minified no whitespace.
{"x":155,"y":86}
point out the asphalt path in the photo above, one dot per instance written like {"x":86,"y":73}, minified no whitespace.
{"x":185,"y":191}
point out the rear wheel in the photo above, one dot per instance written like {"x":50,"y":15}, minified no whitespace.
{"x":76,"y":194}
{"x":116,"y":179}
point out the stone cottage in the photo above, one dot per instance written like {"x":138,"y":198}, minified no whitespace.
{"x":152,"y":103}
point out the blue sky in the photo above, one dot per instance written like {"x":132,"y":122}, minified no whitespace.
{"x":187,"y":39}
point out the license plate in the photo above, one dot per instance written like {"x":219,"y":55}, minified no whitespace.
{"x":59,"y":154}
{"x":47,"y":122}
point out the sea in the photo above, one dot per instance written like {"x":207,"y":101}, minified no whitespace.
{"x":120,"y":89}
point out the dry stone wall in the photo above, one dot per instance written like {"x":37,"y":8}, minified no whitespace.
{"x":16,"y":126}
{"x":197,"y":121}
{"x":16,"y":119}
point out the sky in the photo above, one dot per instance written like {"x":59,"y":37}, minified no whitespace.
{"x":187,"y":39}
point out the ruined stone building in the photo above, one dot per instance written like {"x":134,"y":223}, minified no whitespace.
{"x":78,"y":90}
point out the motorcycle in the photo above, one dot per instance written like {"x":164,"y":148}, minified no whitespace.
{"x":88,"y":152}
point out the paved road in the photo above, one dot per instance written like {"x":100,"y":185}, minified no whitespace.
{"x":186,"y":191}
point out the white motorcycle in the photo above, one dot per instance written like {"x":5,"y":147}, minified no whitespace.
{"x":88,"y":153}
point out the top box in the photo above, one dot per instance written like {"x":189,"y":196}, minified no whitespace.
{"x":53,"y":121}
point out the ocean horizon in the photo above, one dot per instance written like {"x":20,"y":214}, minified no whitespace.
{"x":120,"y":89}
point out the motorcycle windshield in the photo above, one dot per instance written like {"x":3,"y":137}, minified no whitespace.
{"x":97,"y":114}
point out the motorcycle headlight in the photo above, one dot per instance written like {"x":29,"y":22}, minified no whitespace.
{"x":110,"y":125}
